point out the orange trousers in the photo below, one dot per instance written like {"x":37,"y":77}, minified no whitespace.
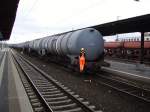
{"x":82,"y":63}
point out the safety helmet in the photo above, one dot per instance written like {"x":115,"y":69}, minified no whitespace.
{"x":82,"y":49}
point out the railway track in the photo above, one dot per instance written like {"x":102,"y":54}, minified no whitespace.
{"x":47,"y":94}
{"x":125,"y":87}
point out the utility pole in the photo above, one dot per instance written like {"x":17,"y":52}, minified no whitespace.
{"x":142,"y":48}
{"x":117,"y":34}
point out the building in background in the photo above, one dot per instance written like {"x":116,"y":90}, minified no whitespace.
{"x":127,"y":37}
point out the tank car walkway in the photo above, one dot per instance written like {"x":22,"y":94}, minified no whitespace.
{"x":134,"y":69}
{"x":12,"y":94}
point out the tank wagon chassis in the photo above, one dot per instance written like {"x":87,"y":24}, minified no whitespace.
{"x":80,"y":50}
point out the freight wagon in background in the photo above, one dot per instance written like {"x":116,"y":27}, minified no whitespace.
{"x":127,"y":48}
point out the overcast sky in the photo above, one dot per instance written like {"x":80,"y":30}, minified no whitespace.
{"x":39,"y":18}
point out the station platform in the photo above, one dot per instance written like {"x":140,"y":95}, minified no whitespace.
{"x":12,"y":93}
{"x":133,"y":71}
{"x":134,"y":68}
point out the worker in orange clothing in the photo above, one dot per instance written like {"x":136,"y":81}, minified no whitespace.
{"x":82,"y":59}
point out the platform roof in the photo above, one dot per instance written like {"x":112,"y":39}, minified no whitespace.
{"x":8,"y":10}
{"x":134,"y":24}
{"x":129,"y":25}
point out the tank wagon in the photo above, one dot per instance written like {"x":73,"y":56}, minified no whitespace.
{"x":67,"y":48}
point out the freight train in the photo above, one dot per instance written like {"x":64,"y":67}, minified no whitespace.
{"x":67,"y":48}
{"x":127,"y":49}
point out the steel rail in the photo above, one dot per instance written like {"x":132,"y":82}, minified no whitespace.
{"x":46,"y":105}
{"x":125,"y":87}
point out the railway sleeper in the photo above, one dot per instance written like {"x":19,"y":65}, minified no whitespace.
{"x":37,"y":104}
{"x":59,"y":102}
{"x":32,"y":96}
{"x":48,"y":88}
{"x":53,"y":95}
{"x":57,"y":98}
{"x":34,"y":100}
{"x":50,"y":92}
{"x":30,"y":93}
{"x":72,"y":110}
{"x":29,"y":90}
{"x":64,"y":107}
{"x":45,"y":86}
{"x":41,"y":81}
{"x":39,"y":109}
{"x":42,"y":84}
